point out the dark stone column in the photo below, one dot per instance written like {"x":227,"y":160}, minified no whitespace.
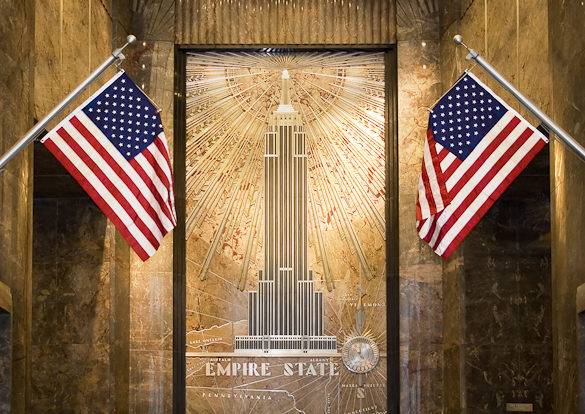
{"x":421,"y":285}
{"x":151,"y":65}
{"x":568,"y":196}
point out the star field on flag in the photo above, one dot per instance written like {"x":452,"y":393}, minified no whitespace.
{"x":476,"y":145}
{"x":115,"y":147}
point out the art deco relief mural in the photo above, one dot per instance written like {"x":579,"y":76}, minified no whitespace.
{"x":285,"y":232}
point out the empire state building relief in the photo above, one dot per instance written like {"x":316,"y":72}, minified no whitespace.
{"x":285,"y":232}
{"x":285,"y":313}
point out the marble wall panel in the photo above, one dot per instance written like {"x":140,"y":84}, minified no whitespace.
{"x":71,"y":39}
{"x":71,"y":307}
{"x":76,"y":37}
{"x":534,"y":48}
{"x":80,"y":310}
{"x":421,"y":286}
{"x":421,"y":346}
{"x":48,"y":63}
{"x":508,"y":332}
{"x":581,"y":357}
{"x":119,"y":355}
{"x":151,"y":64}
{"x":78,"y":379}
{"x":5,"y":360}
{"x":151,"y":381}
{"x":151,"y":344}
{"x":16,"y":116}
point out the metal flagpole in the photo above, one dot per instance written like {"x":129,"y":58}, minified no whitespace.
{"x":35,"y":131}
{"x":561,"y":134}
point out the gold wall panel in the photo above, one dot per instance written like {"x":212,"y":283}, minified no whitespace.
{"x":285,"y":22}
{"x":285,"y":232}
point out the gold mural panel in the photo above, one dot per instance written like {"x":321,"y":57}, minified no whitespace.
{"x":285,"y":232}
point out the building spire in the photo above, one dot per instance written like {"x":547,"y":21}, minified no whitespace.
{"x":285,"y":105}
{"x":284,"y":97}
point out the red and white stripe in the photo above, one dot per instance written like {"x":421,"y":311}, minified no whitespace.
{"x":471,"y":186}
{"x":137,"y":195}
{"x":433,"y":196}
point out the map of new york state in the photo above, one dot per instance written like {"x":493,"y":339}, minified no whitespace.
{"x":285,"y":231}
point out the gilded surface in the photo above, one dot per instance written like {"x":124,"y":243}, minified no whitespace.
{"x":253,"y":22}
{"x":339,"y":98}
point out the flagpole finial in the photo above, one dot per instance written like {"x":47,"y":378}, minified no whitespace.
{"x":118,"y":52}
{"x":458,"y":40}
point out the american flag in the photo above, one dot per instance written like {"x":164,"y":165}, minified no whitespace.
{"x":476,"y":146}
{"x":115,"y":147}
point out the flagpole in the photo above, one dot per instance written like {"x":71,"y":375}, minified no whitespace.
{"x":39,"y":127}
{"x":561,"y":134}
